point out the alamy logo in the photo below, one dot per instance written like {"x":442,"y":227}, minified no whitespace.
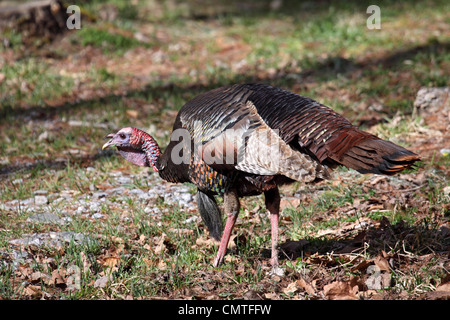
{"x":74,"y":20}
{"x":374,"y":20}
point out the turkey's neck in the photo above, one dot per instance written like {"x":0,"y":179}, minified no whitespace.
{"x":151,"y":150}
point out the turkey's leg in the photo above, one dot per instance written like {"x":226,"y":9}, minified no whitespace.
{"x":272,"y":200}
{"x":232,"y":206}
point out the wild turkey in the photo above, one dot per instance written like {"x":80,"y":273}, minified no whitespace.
{"x":248,"y":139}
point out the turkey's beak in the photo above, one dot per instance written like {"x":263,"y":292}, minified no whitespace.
{"x":110,"y":142}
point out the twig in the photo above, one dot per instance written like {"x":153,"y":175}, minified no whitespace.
{"x":402,"y":190}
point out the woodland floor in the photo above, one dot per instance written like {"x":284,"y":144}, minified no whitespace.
{"x":80,"y":223}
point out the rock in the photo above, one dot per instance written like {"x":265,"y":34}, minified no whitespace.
{"x":136,"y":192}
{"x":117,"y":191}
{"x":123,"y":180}
{"x":139,"y":36}
{"x":81,"y":209}
{"x":40,"y":200}
{"x":433,"y":104}
{"x":99,"y":195}
{"x":102,"y":281}
{"x":186,"y":197}
{"x":40,"y":192}
{"x":52,"y":239}
{"x":191,"y":219}
{"x":95,"y":207}
{"x":17,"y":181}
{"x":46,"y":218}
{"x":44,"y":136}
{"x":14,"y":258}
{"x":277,"y":272}
{"x":432,"y":99}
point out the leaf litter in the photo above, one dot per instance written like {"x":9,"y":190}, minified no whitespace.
{"x":364,"y":256}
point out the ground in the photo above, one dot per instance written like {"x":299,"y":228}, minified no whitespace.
{"x":81,"y":223}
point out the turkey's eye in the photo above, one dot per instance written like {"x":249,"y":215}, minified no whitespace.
{"x":122,"y":136}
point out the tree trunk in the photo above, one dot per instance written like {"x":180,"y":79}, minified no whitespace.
{"x":44,"y":19}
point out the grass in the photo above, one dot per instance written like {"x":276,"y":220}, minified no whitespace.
{"x":109,"y":42}
{"x":58,"y":102}
{"x":28,"y":82}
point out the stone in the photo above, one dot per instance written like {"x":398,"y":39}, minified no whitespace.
{"x":52,"y":239}
{"x":40,"y":200}
{"x":46,"y":218}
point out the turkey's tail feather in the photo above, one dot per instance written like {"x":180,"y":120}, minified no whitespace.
{"x":378,"y":156}
{"x":210,"y":213}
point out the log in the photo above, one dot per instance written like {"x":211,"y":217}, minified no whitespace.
{"x":43,"y":18}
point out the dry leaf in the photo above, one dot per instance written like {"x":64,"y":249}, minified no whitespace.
{"x":161,"y":246}
{"x":340,"y":290}
{"x":183,"y":231}
{"x":132,"y":113}
{"x":84,"y":262}
{"x":306,"y":286}
{"x":289,"y":202}
{"x":147,"y":262}
{"x":25,"y":271}
{"x":141,"y":240}
{"x":361,"y":266}
{"x":205,"y":242}
{"x":381,"y":263}
{"x":32,"y":291}
{"x":442,"y":292}
{"x":444,"y":287}
{"x":40,"y":276}
{"x":291,"y":288}
{"x":58,"y":277}
{"x":111,"y":262}
{"x":102,"y":282}
{"x":117,"y":240}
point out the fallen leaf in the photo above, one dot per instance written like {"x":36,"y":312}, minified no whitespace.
{"x":252,"y":295}
{"x":141,"y":240}
{"x":340,"y":290}
{"x":361,"y":266}
{"x":32,"y":291}
{"x":111,"y":262}
{"x":381,"y":263}
{"x":306,"y":286}
{"x":161,"y":245}
{"x":84,"y":262}
{"x":102,"y":281}
{"x":147,"y":262}
{"x":442,"y":292}
{"x":40,"y":276}
{"x":444,"y":287}
{"x":291,"y":288}
{"x":58,"y":277}
{"x":205,"y":242}
{"x":183,"y":231}
{"x":236,"y":240}
{"x":289,"y":202}
{"x":132,"y":113}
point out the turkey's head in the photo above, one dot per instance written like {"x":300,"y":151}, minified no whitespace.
{"x":134,"y":145}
